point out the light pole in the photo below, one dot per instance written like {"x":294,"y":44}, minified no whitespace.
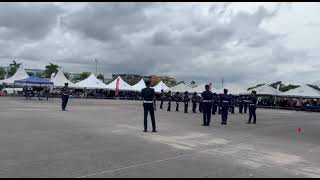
{"x":96,"y":61}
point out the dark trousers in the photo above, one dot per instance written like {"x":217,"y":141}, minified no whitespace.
{"x":245,"y":109}
{"x":252,"y":112}
{"x":64,"y":101}
{"x":161,"y":103}
{"x":240,"y":109}
{"x":214,"y":109}
{"x":194,"y":107}
{"x":232,"y":109}
{"x":177,"y":106}
{"x":206,"y":113}
{"x":219,"y":109}
{"x":169,"y":106}
{"x":200,"y":107}
{"x":148,"y":107}
{"x":186,"y":104}
{"x":224,"y":115}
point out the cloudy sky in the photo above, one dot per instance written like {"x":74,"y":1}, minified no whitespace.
{"x":246,"y":43}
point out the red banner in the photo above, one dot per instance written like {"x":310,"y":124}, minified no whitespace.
{"x":117,"y":87}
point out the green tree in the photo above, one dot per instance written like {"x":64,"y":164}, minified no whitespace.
{"x":2,"y":73}
{"x":14,"y":66}
{"x":84,"y":75}
{"x":181,"y":82}
{"x":51,"y":68}
{"x":255,"y":86}
{"x":101,"y":77}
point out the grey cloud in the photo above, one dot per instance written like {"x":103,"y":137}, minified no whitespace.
{"x":27,"y":21}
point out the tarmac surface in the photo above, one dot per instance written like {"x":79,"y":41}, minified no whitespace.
{"x":104,"y":138}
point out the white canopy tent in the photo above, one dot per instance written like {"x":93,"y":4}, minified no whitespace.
{"x":265,"y":90}
{"x":160,"y":86}
{"x":122,"y":85}
{"x":139,"y":86}
{"x":20,"y":74}
{"x":317,"y":83}
{"x":60,"y":79}
{"x":92,"y":83}
{"x":302,"y":91}
{"x":180,"y":88}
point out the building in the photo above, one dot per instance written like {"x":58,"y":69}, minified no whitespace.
{"x":169,"y":81}
{"x":131,"y":79}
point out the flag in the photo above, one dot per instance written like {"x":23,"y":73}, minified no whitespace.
{"x":117,"y":87}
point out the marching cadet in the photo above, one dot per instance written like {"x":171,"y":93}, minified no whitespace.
{"x":232,"y":103}
{"x":169,"y":100}
{"x":194,"y":102}
{"x":177,"y":99}
{"x":252,"y":107}
{"x":148,"y":96}
{"x":245,"y":104}
{"x":65,"y":92}
{"x":219,"y":106}
{"x":214,"y":103}
{"x":240,"y":102}
{"x":186,"y":100}
{"x":162,"y":96}
{"x":224,"y":104}
{"x":207,"y":102}
{"x":200,"y":103}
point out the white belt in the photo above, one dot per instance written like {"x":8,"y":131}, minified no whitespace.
{"x":225,"y":101}
{"x":206,"y":101}
{"x":147,"y":101}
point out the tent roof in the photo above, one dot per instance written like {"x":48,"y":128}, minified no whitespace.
{"x":180,"y":88}
{"x":92,"y":83}
{"x":201,"y":88}
{"x":317,"y":83}
{"x":139,"y":86}
{"x":33,"y":80}
{"x":160,"y":86}
{"x":122,"y":85}
{"x":20,"y":74}
{"x":265,"y":90}
{"x":303,"y":91}
{"x":60,"y":79}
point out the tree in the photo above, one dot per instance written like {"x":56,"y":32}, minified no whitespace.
{"x":101,"y":77}
{"x":255,"y":86}
{"x":51,"y":68}
{"x":181,"y":82}
{"x":84,"y":75}
{"x":14,"y":66}
{"x":193,"y":83}
{"x":2,"y":73}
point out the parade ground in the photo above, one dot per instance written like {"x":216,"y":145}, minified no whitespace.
{"x":104,"y":138}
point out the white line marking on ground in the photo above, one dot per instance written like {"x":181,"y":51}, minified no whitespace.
{"x":136,"y":165}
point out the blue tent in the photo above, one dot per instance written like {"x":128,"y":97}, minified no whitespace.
{"x":33,"y":80}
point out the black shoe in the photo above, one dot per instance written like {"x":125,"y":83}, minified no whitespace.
{"x":248,"y":123}
{"x":144,"y":131}
{"x":154,"y":131}
{"x":204,"y":125}
{"x":254,"y":123}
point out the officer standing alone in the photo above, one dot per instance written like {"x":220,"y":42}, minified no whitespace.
{"x":186,"y":101}
{"x":252,"y":107}
{"x":206,"y":106}
{"x":65,"y":96}
{"x":194,"y":102}
{"x":240,"y":102}
{"x":224,"y":104}
{"x":148,"y":96}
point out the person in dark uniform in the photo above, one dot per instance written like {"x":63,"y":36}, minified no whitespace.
{"x":194,"y":100}
{"x":186,"y":101}
{"x":224,"y":104}
{"x":162,"y":96}
{"x":177,"y":99}
{"x":232,"y":103}
{"x":240,"y":102}
{"x":148,"y":96}
{"x":169,"y":100}
{"x":65,"y":92}
{"x":219,"y":107}
{"x":252,"y":107}
{"x":245,"y":104}
{"x":214,"y":103}
{"x":200,"y":103}
{"x":206,"y":106}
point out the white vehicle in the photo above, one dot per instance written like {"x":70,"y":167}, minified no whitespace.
{"x":6,"y":91}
